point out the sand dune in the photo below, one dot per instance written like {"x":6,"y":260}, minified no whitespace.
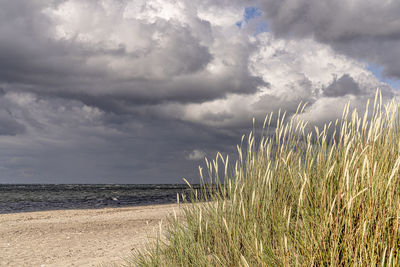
{"x":77,"y":237}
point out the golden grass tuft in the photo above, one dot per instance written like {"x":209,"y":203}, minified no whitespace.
{"x":326,"y":197}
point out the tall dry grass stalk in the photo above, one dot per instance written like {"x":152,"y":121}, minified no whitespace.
{"x":320,"y":197}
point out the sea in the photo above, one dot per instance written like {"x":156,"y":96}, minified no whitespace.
{"x":37,"y":197}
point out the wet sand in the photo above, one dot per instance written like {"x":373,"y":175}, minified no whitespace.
{"x":101,"y":237}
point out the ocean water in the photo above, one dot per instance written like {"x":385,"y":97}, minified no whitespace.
{"x":37,"y":197}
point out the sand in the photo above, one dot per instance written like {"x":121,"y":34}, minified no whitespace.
{"x":100,"y":237}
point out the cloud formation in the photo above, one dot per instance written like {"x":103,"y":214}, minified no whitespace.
{"x":130,"y":52}
{"x":365,"y":30}
{"x":140,"y":91}
{"x":343,"y":86}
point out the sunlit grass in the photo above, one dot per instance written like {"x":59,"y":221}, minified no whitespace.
{"x":299,"y":197}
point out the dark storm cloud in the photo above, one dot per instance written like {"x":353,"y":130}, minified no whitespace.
{"x":79,"y":94}
{"x":28,"y":54}
{"x":76,"y":144}
{"x":8,"y":124}
{"x":342,"y":86}
{"x":171,"y":67}
{"x":138,"y":91}
{"x":366,"y":30}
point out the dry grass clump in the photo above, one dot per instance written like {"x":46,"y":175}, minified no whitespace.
{"x":323,"y":197}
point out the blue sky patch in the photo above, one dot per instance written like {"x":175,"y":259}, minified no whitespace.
{"x":251,"y":13}
{"x":378,"y":72}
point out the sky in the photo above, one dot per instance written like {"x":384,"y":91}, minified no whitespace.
{"x":140,"y":91}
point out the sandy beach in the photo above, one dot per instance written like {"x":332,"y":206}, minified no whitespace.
{"x":100,"y":237}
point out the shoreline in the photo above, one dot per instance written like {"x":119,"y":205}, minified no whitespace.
{"x":78,"y":237}
{"x":99,"y":208}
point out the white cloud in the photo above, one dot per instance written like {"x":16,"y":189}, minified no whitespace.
{"x":196,"y":155}
{"x":364,"y":30}
{"x":296,"y":71}
{"x":155,"y":50}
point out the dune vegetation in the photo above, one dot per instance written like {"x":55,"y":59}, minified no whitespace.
{"x":299,"y":196}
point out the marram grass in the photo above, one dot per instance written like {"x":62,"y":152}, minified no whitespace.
{"x":301,"y":197}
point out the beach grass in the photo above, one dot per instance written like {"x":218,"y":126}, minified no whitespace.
{"x":301,"y":196}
